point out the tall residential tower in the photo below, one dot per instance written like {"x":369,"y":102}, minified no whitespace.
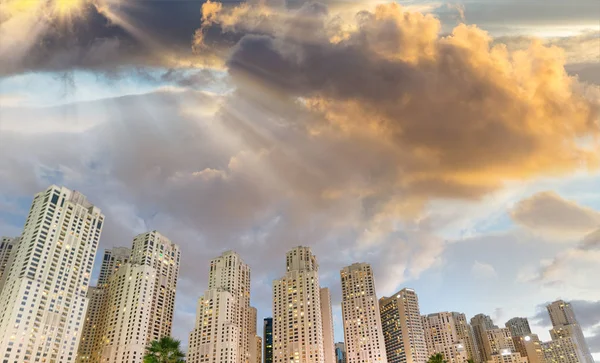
{"x":297,"y":316}
{"x":363,"y":335}
{"x":223,"y":314}
{"x":43,"y":302}
{"x":403,"y":328}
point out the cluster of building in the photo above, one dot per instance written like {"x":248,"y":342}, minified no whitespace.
{"x":50,"y":313}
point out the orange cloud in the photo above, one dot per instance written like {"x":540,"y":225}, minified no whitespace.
{"x":457,"y":115}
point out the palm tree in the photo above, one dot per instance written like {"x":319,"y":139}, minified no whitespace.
{"x":165,"y":350}
{"x":470,"y":360}
{"x":437,"y":358}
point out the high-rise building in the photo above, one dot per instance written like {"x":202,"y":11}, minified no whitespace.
{"x":565,"y":326}
{"x":507,"y":356}
{"x":155,"y":250}
{"x":518,"y":327}
{"x":255,"y":340}
{"x":340,"y":352}
{"x":466,"y":335}
{"x":127,"y":316}
{"x":363,"y":335}
{"x":563,"y":350}
{"x":258,"y":343}
{"x":7,"y":246}
{"x":222,"y":330}
{"x":129,"y":312}
{"x":441,"y":336}
{"x":297,"y":317}
{"x":497,"y":342}
{"x":112,"y":260}
{"x":530,"y":346}
{"x":480,"y":323}
{"x":403,"y":328}
{"x":327,"y":318}
{"x":268,"y":340}
{"x":43,"y":302}
{"x":91,"y":345}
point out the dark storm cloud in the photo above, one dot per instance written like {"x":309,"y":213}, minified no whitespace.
{"x":107,"y":37}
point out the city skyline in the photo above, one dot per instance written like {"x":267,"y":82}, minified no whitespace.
{"x":452,"y":145}
{"x":358,"y":279}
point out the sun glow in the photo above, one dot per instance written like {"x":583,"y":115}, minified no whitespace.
{"x":68,"y":8}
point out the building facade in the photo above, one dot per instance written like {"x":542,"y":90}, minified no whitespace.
{"x":223,"y":328}
{"x":126,"y":319}
{"x":90,"y":347}
{"x":157,"y":251}
{"x":565,"y":326}
{"x":7,"y":246}
{"x":363,"y":336}
{"x":562,"y":350}
{"x":441,"y":336}
{"x":297,"y":316}
{"x":268,"y":340}
{"x":327,"y":318}
{"x":466,"y":335}
{"x":518,"y":327}
{"x":340,"y":352}
{"x":480,"y":324}
{"x":43,"y":302}
{"x":403,"y":328}
{"x":530,"y":346}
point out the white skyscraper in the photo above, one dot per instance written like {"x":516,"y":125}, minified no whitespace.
{"x":90,"y":347}
{"x":363,"y":335}
{"x":441,"y":336}
{"x":222,"y":330}
{"x":127,"y":314}
{"x":403,"y":328}
{"x":297,"y":316}
{"x":327,"y":318}
{"x":566,"y":331}
{"x":43,"y":302}
{"x":137,"y":299}
{"x":155,"y":250}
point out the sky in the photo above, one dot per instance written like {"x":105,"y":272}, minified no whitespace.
{"x":452,"y":145}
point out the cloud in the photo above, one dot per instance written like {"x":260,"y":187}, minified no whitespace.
{"x":548,"y":212}
{"x":457,"y":116}
{"x":571,"y":267}
{"x":106,"y":36}
{"x":482,"y":270}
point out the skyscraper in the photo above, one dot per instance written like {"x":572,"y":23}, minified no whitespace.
{"x":530,"y":346}
{"x":255,"y":340}
{"x":7,"y":246}
{"x":222,"y":330}
{"x":112,"y":260}
{"x":126,"y":319}
{"x":480,"y":323}
{"x":297,"y":317}
{"x":155,"y":250}
{"x":466,"y":335}
{"x":403,"y":328}
{"x":363,"y":335}
{"x":130,"y":311}
{"x":497,"y":342}
{"x":327,"y":318}
{"x":43,"y":302}
{"x":518,"y":327}
{"x":441,"y":336}
{"x":340,"y":352}
{"x":90,"y":346}
{"x":566,"y":331}
{"x":268,"y":340}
